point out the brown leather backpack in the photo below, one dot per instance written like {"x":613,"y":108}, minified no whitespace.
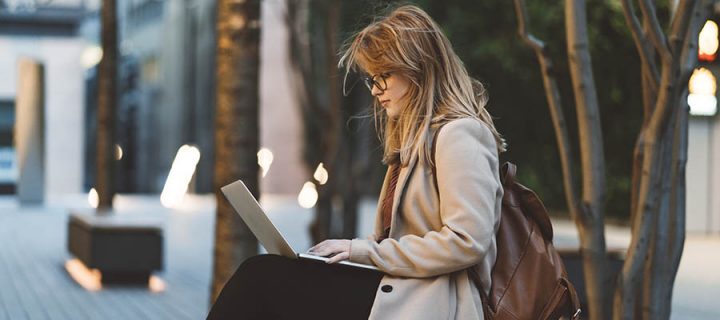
{"x":529,"y":280}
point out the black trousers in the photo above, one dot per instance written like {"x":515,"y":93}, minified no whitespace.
{"x":275,"y":287}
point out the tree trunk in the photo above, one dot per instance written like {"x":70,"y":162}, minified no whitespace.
{"x":592,"y":209}
{"x":107,"y":106}
{"x":644,"y":287}
{"x":350,"y":167}
{"x":331,"y":128}
{"x":236,"y":131}
{"x":552,"y":94}
{"x":670,"y":234}
{"x":645,"y":284}
{"x":319,"y":97}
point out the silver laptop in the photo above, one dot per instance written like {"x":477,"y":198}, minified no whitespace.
{"x":255,"y":218}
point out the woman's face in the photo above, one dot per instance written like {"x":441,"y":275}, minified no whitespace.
{"x":394,"y":98}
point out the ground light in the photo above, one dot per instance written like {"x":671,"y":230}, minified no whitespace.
{"x":118,"y":152}
{"x":181,"y":172}
{"x":91,"y":279}
{"x":321,"y":175}
{"x":91,"y":56}
{"x":93,"y":198}
{"x":308,"y":195}
{"x":265,"y":159}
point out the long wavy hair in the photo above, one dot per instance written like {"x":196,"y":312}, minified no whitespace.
{"x":409,"y":42}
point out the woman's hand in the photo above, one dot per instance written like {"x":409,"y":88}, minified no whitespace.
{"x":341,"y":249}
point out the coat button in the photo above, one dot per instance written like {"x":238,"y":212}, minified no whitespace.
{"x":386,"y":288}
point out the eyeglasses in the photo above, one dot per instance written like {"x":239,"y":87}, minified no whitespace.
{"x":377,"y":81}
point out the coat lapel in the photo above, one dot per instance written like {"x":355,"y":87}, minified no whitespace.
{"x":378,"y":213}
{"x":400,"y":189}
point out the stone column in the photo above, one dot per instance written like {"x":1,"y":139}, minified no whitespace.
{"x":30,"y":132}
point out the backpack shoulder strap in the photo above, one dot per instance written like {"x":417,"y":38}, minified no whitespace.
{"x":508,"y":173}
{"x":526,"y":198}
{"x":487,"y":313}
{"x":432,"y":150}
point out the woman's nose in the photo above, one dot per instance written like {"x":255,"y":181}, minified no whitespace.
{"x":375,"y":91}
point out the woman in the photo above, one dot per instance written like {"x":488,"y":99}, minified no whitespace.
{"x":439,"y":209}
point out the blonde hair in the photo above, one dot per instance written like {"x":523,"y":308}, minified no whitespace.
{"x":409,"y":42}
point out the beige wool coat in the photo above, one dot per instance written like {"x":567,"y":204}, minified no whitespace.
{"x":436,"y":236}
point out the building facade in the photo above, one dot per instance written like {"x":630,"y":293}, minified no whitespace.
{"x":166,"y":92}
{"x":48,"y":34}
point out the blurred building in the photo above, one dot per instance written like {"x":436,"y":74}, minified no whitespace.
{"x":166,"y":91}
{"x":167,"y":79}
{"x":46,"y":32}
{"x":703,"y":165}
{"x":703,"y":175}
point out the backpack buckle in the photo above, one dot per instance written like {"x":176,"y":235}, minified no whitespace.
{"x":577,"y":313}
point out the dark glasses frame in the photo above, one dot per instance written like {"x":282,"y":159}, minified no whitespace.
{"x":377,"y":81}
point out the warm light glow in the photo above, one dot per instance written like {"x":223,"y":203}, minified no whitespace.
{"x":265,"y":159}
{"x":90,"y":279}
{"x":93,"y":198}
{"x":308,"y":195}
{"x":708,"y":41}
{"x":118,"y":152}
{"x":702,"y":81}
{"x":181,"y":173}
{"x":156,"y":285}
{"x":702,"y":88}
{"x":321,"y":175}
{"x":91,"y":56}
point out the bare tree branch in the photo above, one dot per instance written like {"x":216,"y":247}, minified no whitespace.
{"x":652,"y":191}
{"x":649,"y":98}
{"x":670,"y":228}
{"x":656,"y":267}
{"x":661,"y":113}
{"x":678,"y":203}
{"x":680,"y":23}
{"x":677,"y":214}
{"x":689,"y":55}
{"x":529,"y":39}
{"x":657,"y":36}
{"x":648,"y":199}
{"x":591,"y":229}
{"x":586,"y":102}
{"x":629,"y":281}
{"x":641,"y":42}
{"x":552,"y":94}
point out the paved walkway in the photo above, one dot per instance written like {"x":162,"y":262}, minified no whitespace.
{"x":35,"y":285}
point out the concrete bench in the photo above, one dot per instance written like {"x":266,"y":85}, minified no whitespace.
{"x":573,"y":264}
{"x":125,"y":248}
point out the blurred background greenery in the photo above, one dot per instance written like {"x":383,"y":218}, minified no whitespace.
{"x":484,"y":35}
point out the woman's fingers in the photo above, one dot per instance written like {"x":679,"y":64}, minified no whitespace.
{"x":319,"y":248}
{"x":339,"y":257}
{"x":339,"y":247}
{"x":328,"y":249}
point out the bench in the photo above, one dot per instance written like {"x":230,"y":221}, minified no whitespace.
{"x":125,"y":248}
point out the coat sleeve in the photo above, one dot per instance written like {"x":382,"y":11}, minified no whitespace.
{"x":467,"y":169}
